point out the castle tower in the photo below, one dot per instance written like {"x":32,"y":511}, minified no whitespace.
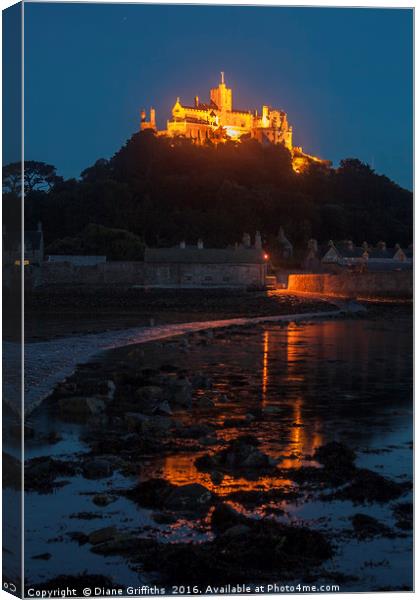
{"x":222,"y":95}
{"x":147,"y":124}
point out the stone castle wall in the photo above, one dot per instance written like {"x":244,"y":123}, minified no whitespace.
{"x":397,"y":284}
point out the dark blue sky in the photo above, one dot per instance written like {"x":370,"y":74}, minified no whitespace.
{"x":344,"y":76}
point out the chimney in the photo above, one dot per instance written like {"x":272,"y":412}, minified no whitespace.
{"x":246,"y":240}
{"x":200,"y":244}
{"x":196,"y":101}
{"x":182,"y":244}
{"x":258,"y":241}
{"x":39,"y":226}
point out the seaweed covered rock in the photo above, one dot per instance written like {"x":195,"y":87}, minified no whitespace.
{"x":368,"y":486}
{"x":42,"y":472}
{"x":159,"y":493}
{"x":366,"y":527}
{"x":335,"y":455}
{"x":225,"y":517}
{"x":241,"y":455}
{"x":150,"y":493}
{"x":339,"y":471}
{"x":77,"y":408}
{"x":403,"y":514}
{"x":251,"y":550}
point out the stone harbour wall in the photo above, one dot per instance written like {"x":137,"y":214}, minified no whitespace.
{"x":204,"y":275}
{"x":395,"y":284}
{"x":160,"y":275}
{"x":124,"y":272}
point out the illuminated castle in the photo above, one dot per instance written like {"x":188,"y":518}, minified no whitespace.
{"x":217,"y":121}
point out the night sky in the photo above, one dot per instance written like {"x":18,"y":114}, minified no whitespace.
{"x":344,"y":76}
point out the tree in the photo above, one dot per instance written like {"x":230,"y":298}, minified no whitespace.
{"x":37,"y":176}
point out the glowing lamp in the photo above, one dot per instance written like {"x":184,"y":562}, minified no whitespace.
{"x":266,"y":256}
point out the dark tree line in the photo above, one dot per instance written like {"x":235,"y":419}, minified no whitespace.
{"x":164,"y":190}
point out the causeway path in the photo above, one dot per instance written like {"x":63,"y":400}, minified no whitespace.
{"x":51,"y":361}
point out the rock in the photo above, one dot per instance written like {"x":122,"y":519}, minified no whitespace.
{"x":149,"y":392}
{"x":181,"y":393}
{"x":335,"y":455}
{"x":250,"y":499}
{"x":242,"y":454}
{"x":236,"y":531}
{"x":103,"y":499}
{"x":368,"y":486}
{"x":367,"y":527}
{"x":168,"y":368}
{"x":85,"y":516}
{"x":45,"y":556}
{"x":268,"y":552}
{"x":232,"y":422}
{"x":225,"y":517}
{"x":157,"y":425}
{"x":208,"y":441}
{"x":66,"y":389}
{"x":97,"y":468}
{"x":122,"y":543}
{"x":403,"y":513}
{"x":216,"y":477}
{"x":111,"y":389}
{"x":163,"y":408}
{"x":273,"y":410}
{"x":184,"y":344}
{"x":79,"y":407}
{"x":195,"y":431}
{"x":164,"y":518}
{"x":102,"y":535}
{"x":204,"y":402}
{"x":151,"y":493}
{"x":130,"y":440}
{"x":190,"y":497}
{"x":79,"y":537}
{"x":256,"y":459}
{"x":200,"y":381}
{"x":41,"y":473}
{"x":135,"y":421}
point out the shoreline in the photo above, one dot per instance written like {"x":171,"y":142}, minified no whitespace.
{"x":88,"y":346}
{"x":49,"y":362}
{"x":135,"y":473}
{"x":56,"y":342}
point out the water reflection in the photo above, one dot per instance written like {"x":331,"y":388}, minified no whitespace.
{"x":332,"y":380}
